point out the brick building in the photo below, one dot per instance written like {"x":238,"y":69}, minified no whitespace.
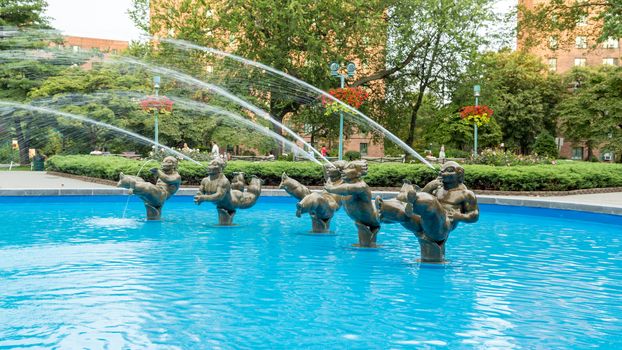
{"x":564,"y":51}
{"x":103,"y":45}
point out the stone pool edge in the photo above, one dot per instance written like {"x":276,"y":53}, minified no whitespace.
{"x":541,"y":202}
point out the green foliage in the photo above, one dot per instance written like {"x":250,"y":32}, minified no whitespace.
{"x":23,"y":13}
{"x":430,"y":43}
{"x":8,"y":154}
{"x":566,"y":175}
{"x":453,"y":132}
{"x":592,"y":111}
{"x":545,"y":145}
{"x":520,"y":92}
{"x":352,"y":155}
{"x":562,"y":19}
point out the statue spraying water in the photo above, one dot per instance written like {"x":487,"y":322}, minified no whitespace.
{"x":217,"y":189}
{"x":152,"y":195}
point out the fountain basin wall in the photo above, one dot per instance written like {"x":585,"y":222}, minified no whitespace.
{"x":536,"y":202}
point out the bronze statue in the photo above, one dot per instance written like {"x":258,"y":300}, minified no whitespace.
{"x":216,"y":188}
{"x":356,"y":198}
{"x":152,"y":195}
{"x":433,"y":212}
{"x":321,"y":206}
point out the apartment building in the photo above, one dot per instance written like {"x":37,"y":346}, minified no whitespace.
{"x":564,"y":51}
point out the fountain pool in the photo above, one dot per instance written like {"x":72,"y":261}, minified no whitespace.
{"x":73,"y":275}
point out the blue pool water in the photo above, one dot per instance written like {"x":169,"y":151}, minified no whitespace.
{"x":73,"y":275}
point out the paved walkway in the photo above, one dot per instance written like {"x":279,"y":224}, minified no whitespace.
{"x":613,"y":198}
{"x":40,"y":180}
{"x":33,"y":183}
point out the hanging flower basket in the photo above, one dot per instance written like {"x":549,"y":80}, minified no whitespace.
{"x":479,"y":115}
{"x":156,"y":103}
{"x":353,"y":96}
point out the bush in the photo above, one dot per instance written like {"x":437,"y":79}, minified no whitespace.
{"x":352,"y":155}
{"x":503,"y":158}
{"x":457,"y":153}
{"x":543,"y":177}
{"x":8,"y":154}
{"x":545,"y":145}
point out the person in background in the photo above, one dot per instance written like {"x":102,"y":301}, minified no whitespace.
{"x":441,"y":153}
{"x":324,"y":151}
{"x":215,"y":150}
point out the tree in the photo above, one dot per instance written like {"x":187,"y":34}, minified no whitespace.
{"x":23,"y":13}
{"x":430,"y":42}
{"x":297,"y":37}
{"x":592,"y":111}
{"x":520,"y":91}
{"x":564,"y":19}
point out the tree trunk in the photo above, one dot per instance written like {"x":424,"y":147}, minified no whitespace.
{"x":590,"y":151}
{"x":413,"y":118}
{"x":22,"y":141}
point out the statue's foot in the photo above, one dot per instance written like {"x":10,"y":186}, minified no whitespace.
{"x":225,"y":217}
{"x":320,"y":225}
{"x":367,"y":235}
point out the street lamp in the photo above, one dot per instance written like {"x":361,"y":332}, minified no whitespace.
{"x":476,"y":92}
{"x":156,"y":86}
{"x":334,"y":71}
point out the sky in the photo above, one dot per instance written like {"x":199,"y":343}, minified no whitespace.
{"x":108,"y":19}
{"x":104,"y":19}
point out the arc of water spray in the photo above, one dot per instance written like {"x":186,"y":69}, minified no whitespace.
{"x":222,"y":92}
{"x":95,"y":122}
{"x":239,"y":118}
{"x":375,"y":125}
{"x":191,"y":104}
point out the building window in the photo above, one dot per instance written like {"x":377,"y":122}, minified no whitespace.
{"x":553,"y":44}
{"x":582,"y":21}
{"x":577,"y":153}
{"x":580,"y":62}
{"x":611,"y":43}
{"x":610,"y":61}
{"x":363,"y":149}
{"x":581,"y":42}
{"x":553,"y":64}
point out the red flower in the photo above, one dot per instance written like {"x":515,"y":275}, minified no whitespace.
{"x":353,"y":96}
{"x":159,"y":103}
{"x":470,"y":111}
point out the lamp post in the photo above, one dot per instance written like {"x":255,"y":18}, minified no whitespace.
{"x":334,"y":71}
{"x":476,"y":92}
{"x":156,"y":86}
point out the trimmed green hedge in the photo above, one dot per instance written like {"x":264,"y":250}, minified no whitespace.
{"x":561,"y":177}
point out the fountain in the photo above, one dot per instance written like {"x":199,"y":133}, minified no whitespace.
{"x":433,"y":212}
{"x":61,"y":270}
{"x":356,"y":199}
{"x":216,"y":188}
{"x":152,"y":195}
{"x":320,"y":206}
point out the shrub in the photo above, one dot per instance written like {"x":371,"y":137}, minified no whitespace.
{"x":352,"y":155}
{"x":8,"y":154}
{"x":564,"y":176}
{"x":545,"y":145}
{"x":503,"y":158}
